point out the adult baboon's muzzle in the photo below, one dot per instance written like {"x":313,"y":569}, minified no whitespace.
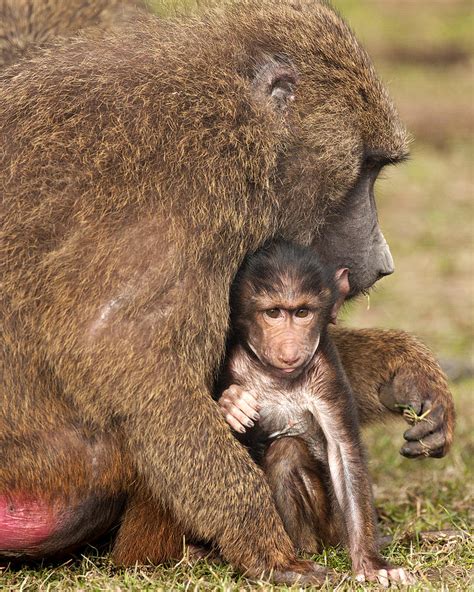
{"x":384,"y":259}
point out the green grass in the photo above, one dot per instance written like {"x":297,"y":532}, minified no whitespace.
{"x":426,"y":210}
{"x":385,"y":24}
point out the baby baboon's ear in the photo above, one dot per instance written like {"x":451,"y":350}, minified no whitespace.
{"x":341,"y":278}
{"x":276,"y":80}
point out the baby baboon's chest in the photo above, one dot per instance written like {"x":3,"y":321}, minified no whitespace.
{"x":287,"y":412}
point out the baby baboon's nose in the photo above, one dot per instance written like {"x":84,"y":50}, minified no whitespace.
{"x":289,"y":354}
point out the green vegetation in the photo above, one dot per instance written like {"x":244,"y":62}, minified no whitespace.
{"x":389,"y":24}
{"x":423,"y":50}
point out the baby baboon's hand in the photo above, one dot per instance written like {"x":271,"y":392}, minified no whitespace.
{"x":239,"y":407}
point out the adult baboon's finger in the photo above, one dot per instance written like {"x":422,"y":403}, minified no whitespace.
{"x":432,"y":445}
{"x":430,"y":424}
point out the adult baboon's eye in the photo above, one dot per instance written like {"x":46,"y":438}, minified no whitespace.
{"x":302,"y":313}
{"x":273,"y":313}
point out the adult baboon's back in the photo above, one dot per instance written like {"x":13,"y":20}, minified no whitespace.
{"x":139,"y":170}
{"x":26,"y":24}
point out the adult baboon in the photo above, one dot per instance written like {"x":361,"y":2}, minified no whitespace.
{"x":139,"y":170}
{"x":26,"y":24}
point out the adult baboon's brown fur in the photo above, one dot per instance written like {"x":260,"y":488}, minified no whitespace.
{"x":25,"y":24}
{"x":138,"y":171}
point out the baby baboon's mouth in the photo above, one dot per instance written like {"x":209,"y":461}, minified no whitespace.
{"x":289,"y":372}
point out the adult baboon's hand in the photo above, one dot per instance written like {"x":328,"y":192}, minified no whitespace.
{"x":421,"y":395}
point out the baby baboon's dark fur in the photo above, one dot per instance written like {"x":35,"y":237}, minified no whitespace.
{"x":27,"y":24}
{"x":138,"y":171}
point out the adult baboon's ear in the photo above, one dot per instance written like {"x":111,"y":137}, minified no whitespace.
{"x":276,"y":80}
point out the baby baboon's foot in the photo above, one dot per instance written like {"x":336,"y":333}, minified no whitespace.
{"x":385,"y":576}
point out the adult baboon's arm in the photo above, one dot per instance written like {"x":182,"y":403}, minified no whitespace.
{"x":393,"y":372}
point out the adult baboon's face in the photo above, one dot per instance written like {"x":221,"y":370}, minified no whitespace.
{"x":338,"y":145}
{"x":327,"y":180}
{"x":352,"y":237}
{"x":341,"y":129}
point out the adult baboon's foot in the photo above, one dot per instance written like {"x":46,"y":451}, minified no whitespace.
{"x":302,"y":573}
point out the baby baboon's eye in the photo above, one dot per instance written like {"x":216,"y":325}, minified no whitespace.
{"x":273,"y":313}
{"x":302,"y":313}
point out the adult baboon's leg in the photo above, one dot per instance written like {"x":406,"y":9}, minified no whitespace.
{"x":58,"y":490}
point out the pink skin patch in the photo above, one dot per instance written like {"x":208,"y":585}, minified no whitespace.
{"x":25,"y":522}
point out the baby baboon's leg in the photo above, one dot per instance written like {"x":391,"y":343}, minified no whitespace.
{"x":300,"y":485}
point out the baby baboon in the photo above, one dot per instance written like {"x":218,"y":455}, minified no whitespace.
{"x":139,"y":170}
{"x":283,"y":370}
{"x":27,"y":24}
